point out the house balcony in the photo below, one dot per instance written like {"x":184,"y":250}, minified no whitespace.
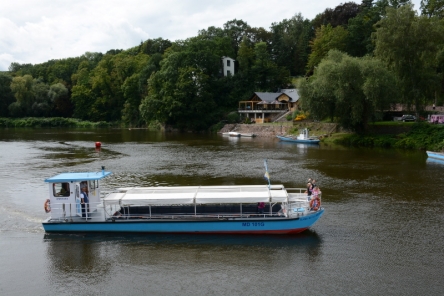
{"x":246,"y":110}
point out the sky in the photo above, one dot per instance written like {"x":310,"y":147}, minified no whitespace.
{"x":34,"y":31}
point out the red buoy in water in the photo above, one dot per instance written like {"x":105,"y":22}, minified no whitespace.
{"x":98,"y":144}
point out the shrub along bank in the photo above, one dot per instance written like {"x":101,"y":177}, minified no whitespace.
{"x":50,"y":122}
{"x":421,"y":136}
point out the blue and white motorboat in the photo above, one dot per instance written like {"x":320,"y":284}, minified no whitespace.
{"x":436,"y":155}
{"x":303,"y":137}
{"x":183,"y":209}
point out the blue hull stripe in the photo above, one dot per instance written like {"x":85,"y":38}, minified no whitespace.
{"x":241,"y":226}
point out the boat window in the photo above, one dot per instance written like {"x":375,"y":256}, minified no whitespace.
{"x":61,"y":189}
{"x":93,"y":184}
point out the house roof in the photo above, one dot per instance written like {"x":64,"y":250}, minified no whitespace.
{"x":292,"y":93}
{"x":269,"y":97}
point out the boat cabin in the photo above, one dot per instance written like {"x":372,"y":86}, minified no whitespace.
{"x":65,"y":189}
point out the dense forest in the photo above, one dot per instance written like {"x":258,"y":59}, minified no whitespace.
{"x":354,"y":60}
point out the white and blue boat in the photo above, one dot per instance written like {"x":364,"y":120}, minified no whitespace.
{"x":435,"y":155}
{"x":184,"y":209}
{"x":303,"y":138}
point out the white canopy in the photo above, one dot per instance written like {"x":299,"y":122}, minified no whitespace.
{"x":199,"y":195}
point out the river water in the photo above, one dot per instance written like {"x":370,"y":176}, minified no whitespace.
{"x":382,"y":231}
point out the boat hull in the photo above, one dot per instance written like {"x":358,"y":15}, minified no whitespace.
{"x":303,"y":141}
{"x":238,"y":226}
{"x":436,"y":155}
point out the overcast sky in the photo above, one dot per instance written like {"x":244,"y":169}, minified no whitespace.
{"x":37,"y":31}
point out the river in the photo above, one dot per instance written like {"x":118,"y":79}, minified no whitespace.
{"x":381,"y":232}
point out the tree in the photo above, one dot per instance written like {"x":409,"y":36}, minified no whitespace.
{"x":41,"y":105}
{"x":132,"y":94}
{"x":267,"y":75}
{"x":432,"y":8}
{"x":409,"y":45}
{"x":21,"y":86}
{"x":361,"y":27}
{"x":327,"y":38}
{"x":235,"y":30}
{"x":338,"y":16}
{"x":245,"y":55}
{"x":6,"y":95}
{"x":153,"y":46}
{"x":290,"y":43}
{"x":181,"y":92}
{"x":58,"y":94}
{"x":349,"y":89}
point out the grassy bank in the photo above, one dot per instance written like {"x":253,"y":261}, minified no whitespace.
{"x":50,"y":122}
{"x":420,"y":136}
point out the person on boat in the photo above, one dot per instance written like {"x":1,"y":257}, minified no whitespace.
{"x":84,"y":184}
{"x":260,"y":207}
{"x":309,"y":190}
{"x":64,"y":191}
{"x":85,"y":202}
{"x":315,"y":192}
{"x":313,"y":183}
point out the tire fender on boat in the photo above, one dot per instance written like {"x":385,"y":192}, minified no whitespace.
{"x":315,"y":204}
{"x":47,"y":206}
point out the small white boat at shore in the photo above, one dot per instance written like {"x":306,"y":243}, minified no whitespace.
{"x":182,"y":209}
{"x":236,"y":134}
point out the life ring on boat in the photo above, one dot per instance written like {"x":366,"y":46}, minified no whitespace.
{"x":315,"y":204}
{"x":47,"y":206}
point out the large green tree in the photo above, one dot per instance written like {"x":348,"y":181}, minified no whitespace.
{"x":290,"y":43}
{"x":409,"y":45}
{"x":432,"y":8}
{"x":181,"y":92}
{"x":349,"y":89}
{"x":327,"y":38}
{"x":59,"y":96}
{"x":21,"y":86}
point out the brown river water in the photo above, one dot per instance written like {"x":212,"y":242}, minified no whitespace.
{"x":381,"y":233}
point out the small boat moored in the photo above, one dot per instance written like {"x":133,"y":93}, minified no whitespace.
{"x":184,"y":209}
{"x":436,"y":155}
{"x":236,"y":134}
{"x":302,"y":138}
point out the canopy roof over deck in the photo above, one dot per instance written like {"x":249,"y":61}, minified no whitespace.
{"x":73,"y":177}
{"x":197,"y":195}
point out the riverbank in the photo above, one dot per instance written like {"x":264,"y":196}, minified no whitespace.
{"x":280,"y":129}
{"x":409,"y":136}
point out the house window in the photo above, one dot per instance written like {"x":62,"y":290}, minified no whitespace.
{"x":228,"y":63}
{"x":228,"y":73}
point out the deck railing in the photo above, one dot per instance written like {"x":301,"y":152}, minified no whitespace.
{"x":69,"y":211}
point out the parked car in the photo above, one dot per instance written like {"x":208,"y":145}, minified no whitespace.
{"x":405,"y":118}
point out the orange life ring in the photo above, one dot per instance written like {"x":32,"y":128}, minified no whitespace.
{"x":315,"y":204}
{"x":47,"y":206}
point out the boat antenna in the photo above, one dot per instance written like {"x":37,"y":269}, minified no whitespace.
{"x":267,"y":175}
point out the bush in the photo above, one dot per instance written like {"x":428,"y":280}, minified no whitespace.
{"x":233,"y":117}
{"x":422,"y":136}
{"x":50,"y":122}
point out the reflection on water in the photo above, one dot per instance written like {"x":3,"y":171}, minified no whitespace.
{"x":308,"y":239}
{"x":74,"y":258}
{"x":435,"y":161}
